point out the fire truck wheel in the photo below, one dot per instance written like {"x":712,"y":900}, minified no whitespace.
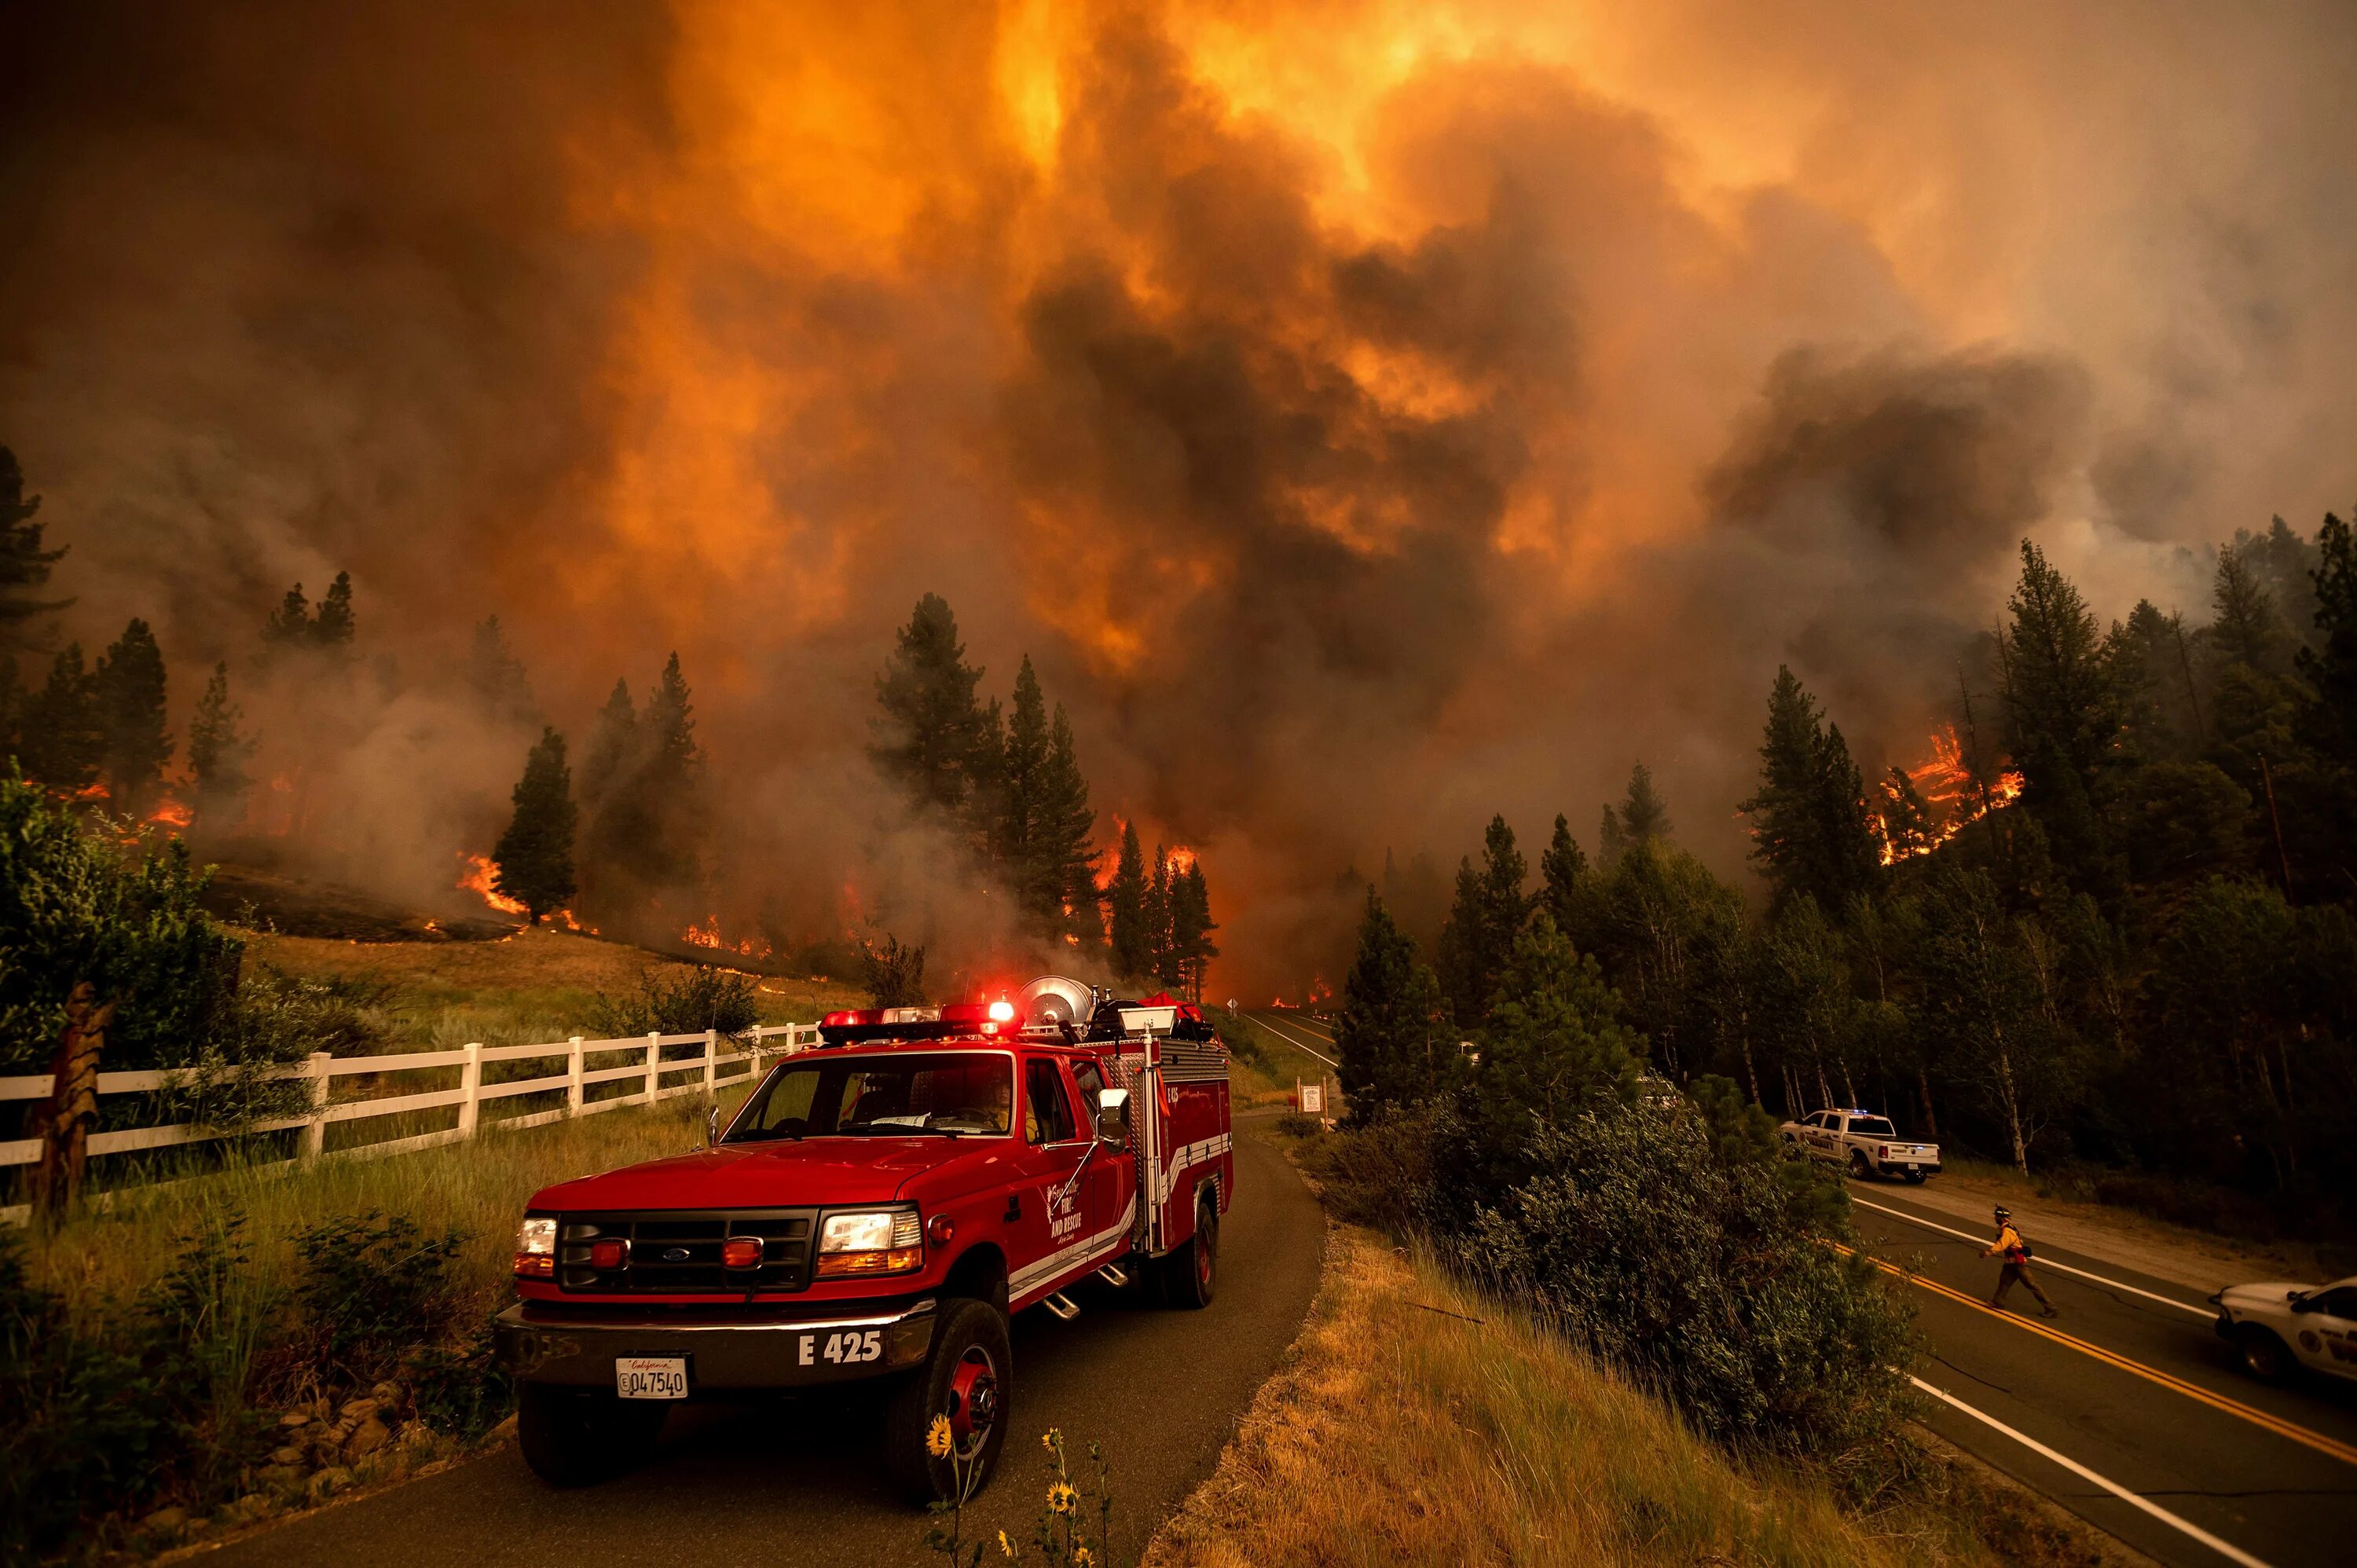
{"x":571,"y":1438}
{"x":1190,"y":1274}
{"x":966,"y":1380}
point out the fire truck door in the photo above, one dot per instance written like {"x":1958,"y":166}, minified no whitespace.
{"x":1112,"y":1173}
{"x":1054,"y":1207}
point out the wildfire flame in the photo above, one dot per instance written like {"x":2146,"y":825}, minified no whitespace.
{"x":1953,"y":797}
{"x":1182,"y":860}
{"x":708,"y":935}
{"x":171,"y":814}
{"x":480,"y":870}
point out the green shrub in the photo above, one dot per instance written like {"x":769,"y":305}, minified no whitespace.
{"x":1706,"y":1277}
{"x":75,"y":906}
{"x":1376,"y":1175}
{"x":687,"y":1002}
{"x":113,"y":1412}
{"x":370,"y":1286}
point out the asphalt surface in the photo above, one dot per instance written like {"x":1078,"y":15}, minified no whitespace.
{"x":1159,"y":1388}
{"x":2269,"y":1472}
{"x":2134,"y":1387}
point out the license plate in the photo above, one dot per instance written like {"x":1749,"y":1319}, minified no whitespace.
{"x":650,"y":1376}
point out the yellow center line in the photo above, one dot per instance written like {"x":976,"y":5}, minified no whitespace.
{"x":2343,"y":1452}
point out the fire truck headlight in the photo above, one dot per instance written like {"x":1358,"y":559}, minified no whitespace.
{"x":536,"y":1248}
{"x":876,"y":1241}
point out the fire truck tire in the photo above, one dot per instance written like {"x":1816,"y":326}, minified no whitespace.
{"x":966,"y":1379}
{"x":571,"y":1438}
{"x":1191,"y":1273}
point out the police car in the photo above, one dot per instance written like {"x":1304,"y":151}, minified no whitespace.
{"x":2280,"y":1327}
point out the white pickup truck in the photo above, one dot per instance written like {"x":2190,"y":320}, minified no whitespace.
{"x":1868,"y":1144}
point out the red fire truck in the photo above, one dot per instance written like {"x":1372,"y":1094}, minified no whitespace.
{"x":877,"y":1208}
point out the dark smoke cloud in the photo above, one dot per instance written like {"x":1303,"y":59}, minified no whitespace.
{"x":1353,"y":460}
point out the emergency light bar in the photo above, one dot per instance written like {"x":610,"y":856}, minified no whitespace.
{"x":951,"y":1018}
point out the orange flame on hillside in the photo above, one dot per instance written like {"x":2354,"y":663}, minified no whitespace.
{"x":1953,"y":795}
{"x":1182,"y":859}
{"x":171,"y":814}
{"x":480,"y":870}
{"x":708,"y":935}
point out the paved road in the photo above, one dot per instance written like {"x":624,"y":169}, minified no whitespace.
{"x":2131,"y":1384}
{"x":2134,"y":1387}
{"x":1160,"y":1388}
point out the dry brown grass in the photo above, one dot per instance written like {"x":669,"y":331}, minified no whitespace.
{"x":534,"y":986}
{"x":1401,"y":1433}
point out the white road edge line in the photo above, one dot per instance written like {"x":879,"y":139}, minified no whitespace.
{"x":2037,"y":1263}
{"x":1296,"y":1045}
{"x":2231,"y":1554}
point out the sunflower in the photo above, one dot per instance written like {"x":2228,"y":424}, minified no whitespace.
{"x":1061,"y":1498}
{"x":1005,"y":1545}
{"x":937,"y":1437}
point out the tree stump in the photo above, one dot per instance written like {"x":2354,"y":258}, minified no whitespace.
{"x":73,"y":1100}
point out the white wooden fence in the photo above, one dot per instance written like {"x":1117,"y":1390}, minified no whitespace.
{"x":649,"y":1068}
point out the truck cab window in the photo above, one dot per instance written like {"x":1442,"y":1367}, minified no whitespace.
{"x":1047,"y":1109}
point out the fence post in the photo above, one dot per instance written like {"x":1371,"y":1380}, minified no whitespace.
{"x":654,"y":1061}
{"x":573,"y":1078}
{"x":711,"y":1061}
{"x":470,"y":1089}
{"x":315,"y":1135}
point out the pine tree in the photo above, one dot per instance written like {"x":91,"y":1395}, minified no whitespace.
{"x":289,"y":625}
{"x":217,"y":752}
{"x":1192,"y":926}
{"x":1555,"y":1040}
{"x":1477,"y":939}
{"x":1809,"y":828}
{"x":928,"y":739}
{"x":1391,"y":1050}
{"x":1560,"y":871}
{"x":1133,"y":941}
{"x":2330,"y":667}
{"x":335,"y":626}
{"x":62,"y":743}
{"x":1064,"y":827}
{"x":127,"y":702}
{"x":1161,"y":959}
{"x":2248,"y":630}
{"x":613,"y":748}
{"x":536,"y":853}
{"x":647,"y":831}
{"x":496,"y":676}
{"x":1642,"y":817}
{"x":1014,"y":839}
{"x":25,"y":566}
{"x":2060,"y":719}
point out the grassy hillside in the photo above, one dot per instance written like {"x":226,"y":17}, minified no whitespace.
{"x":533,"y":986}
{"x":1422,"y":1423}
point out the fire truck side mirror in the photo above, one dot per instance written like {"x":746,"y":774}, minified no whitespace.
{"x":1112,"y":1117}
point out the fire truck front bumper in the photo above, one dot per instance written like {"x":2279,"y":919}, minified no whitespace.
{"x":544,"y":1342}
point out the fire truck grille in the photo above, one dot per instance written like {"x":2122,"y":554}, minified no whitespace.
{"x":677,"y":1252}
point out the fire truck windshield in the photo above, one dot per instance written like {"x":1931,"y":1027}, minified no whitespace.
{"x":954,"y":1094}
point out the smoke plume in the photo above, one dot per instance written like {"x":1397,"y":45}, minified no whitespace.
{"x":1368,"y":416}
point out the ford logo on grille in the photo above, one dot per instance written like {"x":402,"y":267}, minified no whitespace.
{"x":674,"y":1254}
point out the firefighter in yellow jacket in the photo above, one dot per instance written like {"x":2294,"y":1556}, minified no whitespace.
{"x":2016,"y":1253}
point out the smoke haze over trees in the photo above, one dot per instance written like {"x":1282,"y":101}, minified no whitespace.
{"x":1364,"y":425}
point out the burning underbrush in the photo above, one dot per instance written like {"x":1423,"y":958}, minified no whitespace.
{"x":1914,"y":810}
